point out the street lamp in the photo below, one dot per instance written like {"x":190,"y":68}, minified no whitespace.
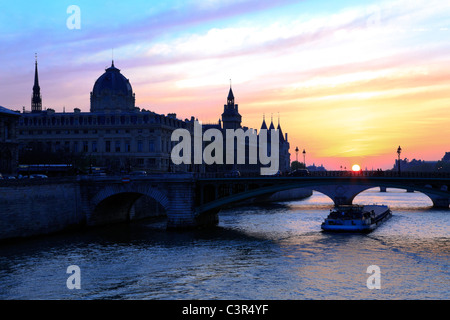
{"x":304,"y":155}
{"x":296,"y":157}
{"x":399,"y":151}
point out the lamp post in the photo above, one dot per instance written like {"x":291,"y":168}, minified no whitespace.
{"x":399,"y":151}
{"x":296,"y":157}
{"x":304,"y":157}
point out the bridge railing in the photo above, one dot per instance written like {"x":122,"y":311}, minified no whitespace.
{"x":386,"y":174}
{"x":217,"y":175}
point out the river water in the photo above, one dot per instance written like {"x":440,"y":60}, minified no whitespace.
{"x":256,"y":252}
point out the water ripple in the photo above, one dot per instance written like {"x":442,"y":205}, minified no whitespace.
{"x":256,"y":252}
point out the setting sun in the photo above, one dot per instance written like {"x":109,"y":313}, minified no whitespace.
{"x":356,"y":167}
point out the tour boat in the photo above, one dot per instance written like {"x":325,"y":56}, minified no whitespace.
{"x":356,"y":218}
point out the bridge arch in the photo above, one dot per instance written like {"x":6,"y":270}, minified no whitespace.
{"x":340,"y":192}
{"x":345,"y":194}
{"x":437,"y":194}
{"x":116,"y":203}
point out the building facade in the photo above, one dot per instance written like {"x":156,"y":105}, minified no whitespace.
{"x":114,"y":134}
{"x":8,"y":141}
{"x":117,"y":135}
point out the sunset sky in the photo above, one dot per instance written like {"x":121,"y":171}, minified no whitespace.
{"x":350,"y":80}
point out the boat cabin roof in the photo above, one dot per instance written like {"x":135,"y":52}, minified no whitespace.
{"x":354,"y":208}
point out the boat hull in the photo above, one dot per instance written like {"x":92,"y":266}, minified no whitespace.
{"x":358,"y":225}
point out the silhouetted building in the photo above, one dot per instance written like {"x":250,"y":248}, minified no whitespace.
{"x":118,"y":135}
{"x":231,"y":119}
{"x":317,"y":168}
{"x":114,"y":134}
{"x":8,"y":141}
{"x":416,"y":165}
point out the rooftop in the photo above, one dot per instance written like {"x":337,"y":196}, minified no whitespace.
{"x":8,"y":112}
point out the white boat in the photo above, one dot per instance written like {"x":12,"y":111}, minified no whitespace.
{"x":356,"y":218}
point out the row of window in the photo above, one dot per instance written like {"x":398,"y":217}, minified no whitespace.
{"x":99,"y":120}
{"x":52,"y":132}
{"x":108,"y":146}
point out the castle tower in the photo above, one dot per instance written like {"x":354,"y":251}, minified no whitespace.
{"x":231,"y":118}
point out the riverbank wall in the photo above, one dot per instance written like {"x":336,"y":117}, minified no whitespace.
{"x":34,"y":207}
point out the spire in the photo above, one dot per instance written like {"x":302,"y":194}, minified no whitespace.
{"x":36,"y":99}
{"x":231,"y":118}
{"x":279,"y":122}
{"x":36,"y":76}
{"x":230,"y":99}
{"x":279,"y":129}
{"x":264,"y":125}
{"x":113,"y":67}
{"x":271,"y":123}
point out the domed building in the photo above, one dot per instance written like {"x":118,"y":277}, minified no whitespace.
{"x":115,"y":134}
{"x":112,"y":92}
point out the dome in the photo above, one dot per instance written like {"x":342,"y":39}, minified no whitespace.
{"x":112,"y":81}
{"x":112,"y":91}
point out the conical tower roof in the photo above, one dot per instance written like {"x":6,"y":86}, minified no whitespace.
{"x":264,"y":125}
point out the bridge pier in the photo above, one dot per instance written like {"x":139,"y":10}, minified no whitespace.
{"x":181,"y":211}
{"x":342,"y":194}
{"x":441,"y":203}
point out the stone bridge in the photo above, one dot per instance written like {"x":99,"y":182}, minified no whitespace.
{"x":191,"y":200}
{"x":340,"y":188}
{"x":187,"y":199}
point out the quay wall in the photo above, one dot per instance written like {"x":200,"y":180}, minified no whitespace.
{"x":35,"y":207}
